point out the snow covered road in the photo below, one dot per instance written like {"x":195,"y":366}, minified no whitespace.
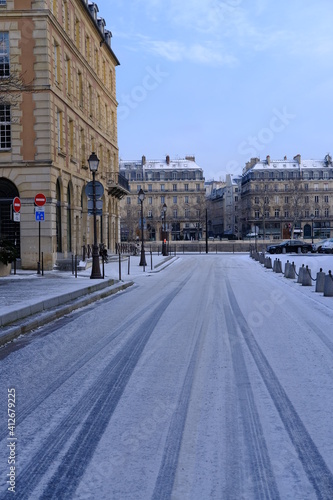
{"x":212,"y":379}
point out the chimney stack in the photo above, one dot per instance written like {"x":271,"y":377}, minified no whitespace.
{"x":143,"y":160}
{"x":168,"y":159}
{"x":268,"y":159}
{"x":298,"y":158}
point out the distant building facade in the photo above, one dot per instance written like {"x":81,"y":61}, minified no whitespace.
{"x":63,"y":51}
{"x":222,"y":207}
{"x":177,"y":185}
{"x":287,"y":198}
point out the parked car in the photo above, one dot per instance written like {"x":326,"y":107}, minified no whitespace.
{"x":327,"y":247}
{"x":316,"y":247}
{"x":290,"y":246}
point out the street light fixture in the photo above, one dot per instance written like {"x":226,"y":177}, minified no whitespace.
{"x":141,"y":197}
{"x":312,"y":217}
{"x":95,"y":270}
{"x":164,"y":244}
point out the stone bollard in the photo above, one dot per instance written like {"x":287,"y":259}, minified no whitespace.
{"x":299,"y":250}
{"x":328,"y":286}
{"x":277,"y":266}
{"x":262,"y":258}
{"x":289,"y":271}
{"x":306,"y":278}
{"x":300,"y":274}
{"x":268,"y":262}
{"x":286,"y":269}
{"x":320,"y":281}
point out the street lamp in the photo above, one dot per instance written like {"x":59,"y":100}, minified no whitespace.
{"x":95,"y":270}
{"x":164,"y":244}
{"x":312,"y":217}
{"x":141,"y":197}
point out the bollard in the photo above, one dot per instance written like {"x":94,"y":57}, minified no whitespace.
{"x":286,"y":269}
{"x":306,"y":278}
{"x":320,"y":281}
{"x":291,"y":272}
{"x":268,"y":262}
{"x":129,"y":265}
{"x":277,"y":266}
{"x":328,"y":286}
{"x":300,"y":274}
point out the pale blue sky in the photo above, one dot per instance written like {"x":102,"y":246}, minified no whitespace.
{"x":223,"y":80}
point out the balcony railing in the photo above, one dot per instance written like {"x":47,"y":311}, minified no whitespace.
{"x":118,"y":185}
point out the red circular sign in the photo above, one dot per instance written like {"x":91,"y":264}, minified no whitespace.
{"x":16,"y":204}
{"x":40,"y":199}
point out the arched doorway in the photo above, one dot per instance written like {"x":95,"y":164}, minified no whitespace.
{"x":58,"y":218}
{"x":9,"y":229}
{"x":307,"y":231}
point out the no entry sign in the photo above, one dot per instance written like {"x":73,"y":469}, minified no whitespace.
{"x":40,"y":199}
{"x":16,"y":204}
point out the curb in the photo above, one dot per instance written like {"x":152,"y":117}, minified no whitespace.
{"x":50,"y":310}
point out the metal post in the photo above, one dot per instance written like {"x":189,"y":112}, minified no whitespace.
{"x":143,"y":257}
{"x":76,"y":266}
{"x":119,"y":266}
{"x":95,"y":271}
{"x":206,"y":231}
{"x":42,"y":263}
{"x":38,"y":263}
{"x":129,"y":264}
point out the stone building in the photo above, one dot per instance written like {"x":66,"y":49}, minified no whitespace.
{"x":175,"y":184}
{"x":287,"y":198}
{"x":222,"y":206}
{"x":66,"y":111}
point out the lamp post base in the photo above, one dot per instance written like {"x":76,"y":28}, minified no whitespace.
{"x":95,"y":270}
{"x":143,"y":258}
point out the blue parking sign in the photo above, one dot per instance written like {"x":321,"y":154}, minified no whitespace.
{"x":40,"y":215}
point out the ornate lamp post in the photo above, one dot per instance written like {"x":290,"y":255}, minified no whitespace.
{"x":164,"y":244}
{"x":141,"y":197}
{"x":95,"y":270}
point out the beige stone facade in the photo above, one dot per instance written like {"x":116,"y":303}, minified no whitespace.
{"x":177,"y":184}
{"x":287,"y":198}
{"x":63,"y":52}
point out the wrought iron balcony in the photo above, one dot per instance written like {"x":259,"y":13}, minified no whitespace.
{"x":117,"y":185}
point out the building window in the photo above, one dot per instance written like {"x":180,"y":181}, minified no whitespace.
{"x":256,"y":200}
{"x":150,"y":214}
{"x":80,"y":89}
{"x":286,"y":199}
{"x":138,"y":187}
{"x":327,"y":212}
{"x":186,"y":187}
{"x":71,"y":137}
{"x":325,"y":186}
{"x":315,"y":187}
{"x":326,"y":199}
{"x":150,"y":200}
{"x":306,"y":187}
{"x":174,"y":187}
{"x":175,"y":214}
{"x":325,"y":175}
{"x":306,"y":213}
{"x":162,"y":187}
{"x":60,"y":130}
{"x":286,"y":187}
{"x":186,"y":199}
{"x":306,"y":199}
{"x":187,"y":213}
{"x":128,"y":200}
{"x":286,"y":214}
{"x":77,"y":33}
{"x":267,"y":214}
{"x":162,"y":199}
{"x":316,"y":199}
{"x":175,"y":199}
{"x":316,"y":212}
{"x":4,"y":54}
{"x":150,"y":187}
{"x":277,"y":213}
{"x":197,"y":186}
{"x":256,"y":214}
{"x":68,"y":76}
{"x":56,"y":49}
{"x":5,"y":127}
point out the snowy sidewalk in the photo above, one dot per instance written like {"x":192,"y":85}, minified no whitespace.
{"x":28,"y":300}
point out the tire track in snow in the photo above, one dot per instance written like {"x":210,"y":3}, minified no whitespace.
{"x":98,"y":405}
{"x":30,"y":407}
{"x":313,"y":463}
{"x":167,"y":472}
{"x":262,"y":476}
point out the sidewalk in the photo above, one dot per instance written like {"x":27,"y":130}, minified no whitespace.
{"x":29,"y":300}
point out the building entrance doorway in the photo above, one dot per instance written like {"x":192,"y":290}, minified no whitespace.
{"x":9,"y":229}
